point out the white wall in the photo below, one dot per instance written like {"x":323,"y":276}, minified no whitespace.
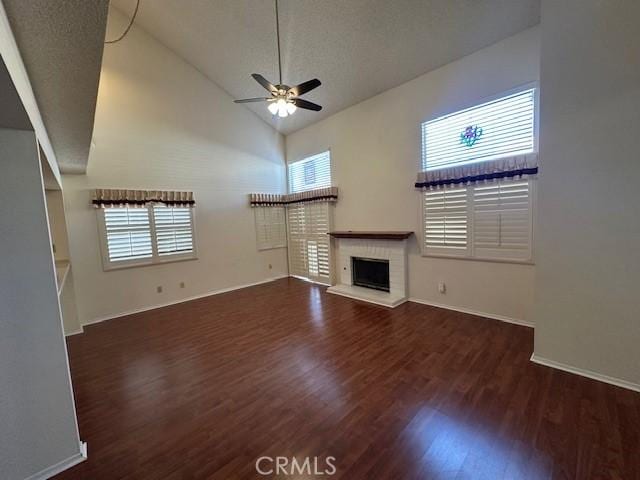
{"x":587,"y":307}
{"x":375,"y":153}
{"x":37,"y":418}
{"x":57,"y":224}
{"x":160,"y":124}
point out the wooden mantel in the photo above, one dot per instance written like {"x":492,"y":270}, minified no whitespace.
{"x":381,"y":235}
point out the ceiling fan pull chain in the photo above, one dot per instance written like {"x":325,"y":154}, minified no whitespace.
{"x":278,"y":40}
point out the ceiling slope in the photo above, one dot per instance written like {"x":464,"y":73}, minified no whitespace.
{"x":357,"y":48}
{"x":61,"y":44}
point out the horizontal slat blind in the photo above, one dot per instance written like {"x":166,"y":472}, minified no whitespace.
{"x":270,"y":227}
{"x":490,"y":220}
{"x":506,"y":126}
{"x":311,"y":173}
{"x":502,"y":219}
{"x":445,"y":220}
{"x":128,"y":234}
{"x":309,"y":254}
{"x":173,"y":228}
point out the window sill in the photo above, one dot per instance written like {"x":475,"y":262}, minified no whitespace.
{"x":125,"y":266}
{"x":479,"y":259}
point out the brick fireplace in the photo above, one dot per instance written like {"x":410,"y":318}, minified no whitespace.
{"x":379,"y":248}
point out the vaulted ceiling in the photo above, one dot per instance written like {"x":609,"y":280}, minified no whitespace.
{"x":61,"y":43}
{"x":357,"y":48}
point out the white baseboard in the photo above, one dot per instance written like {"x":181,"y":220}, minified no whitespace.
{"x":59,"y":467}
{"x":493,"y":316}
{"x":585,"y":373}
{"x":183,"y":300}
{"x":74,"y":332}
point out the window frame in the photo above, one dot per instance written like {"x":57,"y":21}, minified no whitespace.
{"x":307,"y":157}
{"x":469,"y":252}
{"x":155,"y":259}
{"x":490,"y":98}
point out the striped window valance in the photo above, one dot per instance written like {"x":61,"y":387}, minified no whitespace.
{"x":109,"y":197}
{"x":328,"y":194}
{"x":516,"y":166}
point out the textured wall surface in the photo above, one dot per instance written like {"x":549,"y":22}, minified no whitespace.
{"x":375,"y":154}
{"x":587,"y":309}
{"x":37,"y":417}
{"x":160,"y":124}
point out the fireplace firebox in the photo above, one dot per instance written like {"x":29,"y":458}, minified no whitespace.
{"x":370,"y":273}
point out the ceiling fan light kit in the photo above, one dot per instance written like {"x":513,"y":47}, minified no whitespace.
{"x":284,"y":100}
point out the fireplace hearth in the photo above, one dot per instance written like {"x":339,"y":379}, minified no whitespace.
{"x":372,"y":266}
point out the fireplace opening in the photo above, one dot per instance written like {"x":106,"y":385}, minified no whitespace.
{"x":370,"y":273}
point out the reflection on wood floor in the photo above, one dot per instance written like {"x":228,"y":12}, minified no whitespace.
{"x":202,"y":389}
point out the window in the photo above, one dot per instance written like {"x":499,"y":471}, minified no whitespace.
{"x":500,"y":128}
{"x":270,"y":227}
{"x":309,"y":243}
{"x":484,"y":219}
{"x":310,"y":173}
{"x":309,"y":223}
{"x":489,"y":220}
{"x":173,"y":232}
{"x":147,"y":235}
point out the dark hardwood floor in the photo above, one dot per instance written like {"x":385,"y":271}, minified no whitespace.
{"x":201,"y":390}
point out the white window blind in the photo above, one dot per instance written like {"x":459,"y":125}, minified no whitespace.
{"x":270,"y":227}
{"x":128,"y":234}
{"x":499,"y":128}
{"x":309,"y":255}
{"x":310,"y":173}
{"x":445,"y":220}
{"x":489,"y":220}
{"x":173,"y":230}
{"x":502,"y":220}
{"x":147,"y":235}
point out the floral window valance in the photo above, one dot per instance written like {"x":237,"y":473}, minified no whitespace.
{"x":328,"y":194}
{"x":109,"y":197}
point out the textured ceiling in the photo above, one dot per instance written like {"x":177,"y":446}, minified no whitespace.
{"x":61,"y":45}
{"x":357,"y":48}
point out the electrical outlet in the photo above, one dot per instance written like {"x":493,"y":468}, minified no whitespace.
{"x":159,"y":289}
{"x":181,"y":284}
{"x":442,"y":287}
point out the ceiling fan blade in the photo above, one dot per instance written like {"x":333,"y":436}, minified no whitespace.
{"x":251,"y":100}
{"x":300,"y":103}
{"x":305,"y":87}
{"x":264,"y":82}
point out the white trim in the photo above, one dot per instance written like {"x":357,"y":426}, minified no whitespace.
{"x":585,"y":373}
{"x":477,"y":313}
{"x":60,"y":467}
{"x":188,"y":299}
{"x":74,"y":332}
